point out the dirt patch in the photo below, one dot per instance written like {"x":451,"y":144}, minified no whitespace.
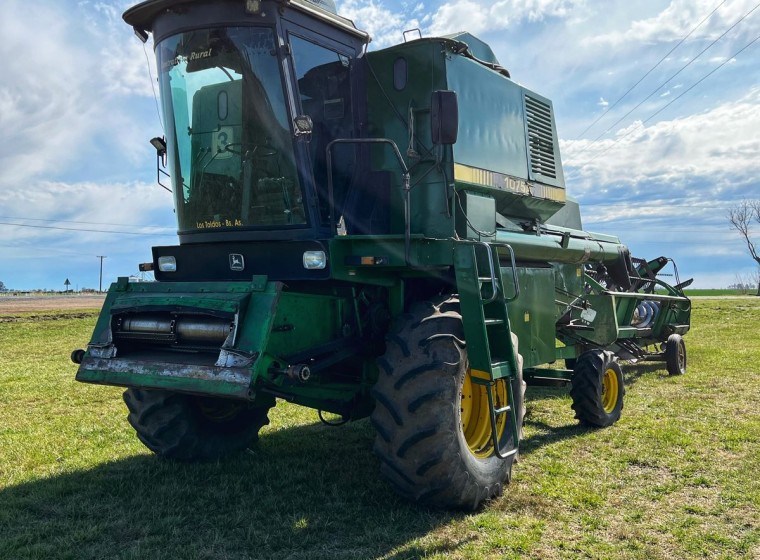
{"x":10,"y":305}
{"x":45,"y":317}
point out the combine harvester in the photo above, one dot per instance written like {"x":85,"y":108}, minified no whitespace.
{"x":381,"y":234}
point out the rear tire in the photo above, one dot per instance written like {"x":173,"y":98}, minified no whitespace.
{"x":418,"y":415}
{"x":187,"y":428}
{"x":675,"y":355}
{"x":597,"y":389}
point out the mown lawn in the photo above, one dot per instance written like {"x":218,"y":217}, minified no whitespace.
{"x":677,"y":477}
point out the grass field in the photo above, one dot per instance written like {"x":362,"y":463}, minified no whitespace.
{"x":716,"y":292}
{"x":677,"y":477}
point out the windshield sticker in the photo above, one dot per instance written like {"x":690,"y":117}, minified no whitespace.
{"x":214,"y":224}
{"x":224,"y":138}
{"x":198,"y":55}
{"x":183,"y":58}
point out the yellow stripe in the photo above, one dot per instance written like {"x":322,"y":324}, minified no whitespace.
{"x":507,"y":183}
{"x":477,"y":374}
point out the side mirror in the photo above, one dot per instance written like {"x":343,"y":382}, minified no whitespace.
{"x":444,"y":117}
{"x":159,"y":143}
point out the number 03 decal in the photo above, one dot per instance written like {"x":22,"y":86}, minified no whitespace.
{"x":222,"y":139}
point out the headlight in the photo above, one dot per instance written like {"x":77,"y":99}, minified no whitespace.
{"x":167,"y":264}
{"x":314,"y":260}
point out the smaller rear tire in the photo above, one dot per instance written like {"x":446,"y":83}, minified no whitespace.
{"x":675,"y":355}
{"x":597,"y":389}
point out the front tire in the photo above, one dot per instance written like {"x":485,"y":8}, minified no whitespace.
{"x":187,"y":428}
{"x":597,"y":389}
{"x":432,"y":431}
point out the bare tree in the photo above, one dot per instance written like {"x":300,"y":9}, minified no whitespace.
{"x":743,"y":217}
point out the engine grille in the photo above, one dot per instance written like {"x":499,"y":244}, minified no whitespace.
{"x":540,"y":137}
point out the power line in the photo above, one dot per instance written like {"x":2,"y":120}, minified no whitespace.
{"x":607,"y":112}
{"x":695,"y":84}
{"x":86,"y":230}
{"x":78,"y":222}
{"x":658,"y":88}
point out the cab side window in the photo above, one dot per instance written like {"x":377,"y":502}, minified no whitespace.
{"x":324,"y":89}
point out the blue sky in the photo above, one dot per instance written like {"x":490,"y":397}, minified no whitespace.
{"x":77,"y":111}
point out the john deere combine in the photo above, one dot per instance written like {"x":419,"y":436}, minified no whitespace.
{"x":381,"y":234}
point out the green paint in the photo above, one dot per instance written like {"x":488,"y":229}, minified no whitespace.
{"x":502,"y":182}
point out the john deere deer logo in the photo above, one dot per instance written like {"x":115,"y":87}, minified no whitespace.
{"x":237,"y":262}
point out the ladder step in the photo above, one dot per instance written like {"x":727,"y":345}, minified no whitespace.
{"x":501,"y":370}
{"x":485,"y":279}
{"x":492,"y":322}
{"x":502,"y":410}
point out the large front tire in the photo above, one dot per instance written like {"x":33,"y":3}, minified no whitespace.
{"x":187,"y":428}
{"x":432,"y":432}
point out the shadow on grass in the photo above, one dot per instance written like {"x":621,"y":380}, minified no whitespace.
{"x":304,"y":492}
{"x":547,"y":434}
{"x":633,"y":372}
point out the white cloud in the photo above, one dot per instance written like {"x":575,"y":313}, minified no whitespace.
{"x":478,"y":16}
{"x":62,"y":101}
{"x":46,"y":94}
{"x":57,"y":243}
{"x":136,"y":205}
{"x":386,"y":26}
{"x":719,"y":147}
{"x":679,"y":18}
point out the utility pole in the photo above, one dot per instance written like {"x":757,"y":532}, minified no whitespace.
{"x":100,"y":284}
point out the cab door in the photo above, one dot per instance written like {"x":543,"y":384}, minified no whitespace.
{"x":324,"y":77}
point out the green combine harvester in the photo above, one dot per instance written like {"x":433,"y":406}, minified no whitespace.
{"x":379,"y":234}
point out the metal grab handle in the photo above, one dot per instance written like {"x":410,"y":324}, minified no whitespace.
{"x":514,"y":271}
{"x":492,"y":270}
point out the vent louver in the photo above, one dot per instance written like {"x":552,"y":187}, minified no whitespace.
{"x":540,"y":137}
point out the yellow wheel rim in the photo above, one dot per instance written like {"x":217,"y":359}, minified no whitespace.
{"x":476,"y":421}
{"x":610,"y":390}
{"x":220,"y":411}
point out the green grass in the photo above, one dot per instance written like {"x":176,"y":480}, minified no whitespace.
{"x":677,"y":477}
{"x":716,"y":292}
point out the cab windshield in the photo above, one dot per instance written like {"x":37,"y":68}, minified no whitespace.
{"x":228,"y":133}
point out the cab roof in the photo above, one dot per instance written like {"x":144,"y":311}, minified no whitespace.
{"x":142,"y":15}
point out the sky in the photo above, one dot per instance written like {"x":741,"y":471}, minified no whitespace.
{"x":657,"y":104}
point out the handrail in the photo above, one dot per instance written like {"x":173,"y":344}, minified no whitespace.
{"x":492,"y":270}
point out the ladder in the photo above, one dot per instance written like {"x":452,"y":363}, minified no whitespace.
{"x":483,"y":304}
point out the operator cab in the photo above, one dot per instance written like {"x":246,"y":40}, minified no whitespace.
{"x":237,"y":78}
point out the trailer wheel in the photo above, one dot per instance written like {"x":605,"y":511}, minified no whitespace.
{"x":186,"y":428}
{"x":675,"y":355}
{"x":432,"y":422}
{"x":597,"y":389}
